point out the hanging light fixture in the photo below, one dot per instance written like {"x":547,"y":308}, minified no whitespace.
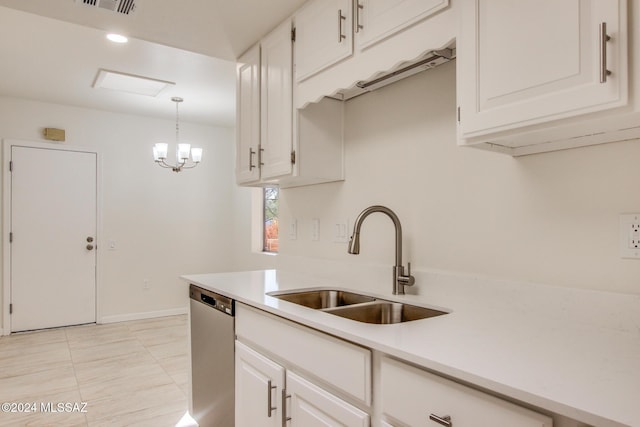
{"x":183,"y":151}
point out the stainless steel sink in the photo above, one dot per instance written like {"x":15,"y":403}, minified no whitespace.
{"x":385,"y":312}
{"x":362,"y":308}
{"x":325,"y":298}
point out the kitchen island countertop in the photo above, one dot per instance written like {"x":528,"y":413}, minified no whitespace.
{"x":572,"y":352}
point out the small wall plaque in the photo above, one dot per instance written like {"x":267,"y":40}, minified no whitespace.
{"x":53,"y":134}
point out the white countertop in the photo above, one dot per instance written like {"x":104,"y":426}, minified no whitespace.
{"x":572,"y":352}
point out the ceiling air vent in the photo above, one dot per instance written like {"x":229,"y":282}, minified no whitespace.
{"x":125,"y":7}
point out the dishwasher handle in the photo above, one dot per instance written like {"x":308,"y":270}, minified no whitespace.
{"x":209,"y":300}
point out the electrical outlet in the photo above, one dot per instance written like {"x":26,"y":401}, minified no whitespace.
{"x":145,"y":284}
{"x":630,"y":235}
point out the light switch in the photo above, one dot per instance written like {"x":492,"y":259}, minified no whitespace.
{"x":293,"y":229}
{"x":341,"y":232}
{"x":315,"y":229}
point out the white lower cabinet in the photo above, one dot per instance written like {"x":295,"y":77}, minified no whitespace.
{"x":259,"y":386}
{"x":290,"y":375}
{"x":265,"y":399}
{"x":309,"y":406}
{"x":413,"y":397}
{"x":328,"y":361}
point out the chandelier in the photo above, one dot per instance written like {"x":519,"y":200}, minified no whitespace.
{"x":183,"y":151}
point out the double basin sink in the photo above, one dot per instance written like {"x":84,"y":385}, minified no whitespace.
{"x":359,"y":307}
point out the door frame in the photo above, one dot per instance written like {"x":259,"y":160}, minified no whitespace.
{"x":6,"y":222}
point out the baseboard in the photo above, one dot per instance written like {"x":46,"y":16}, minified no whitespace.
{"x":143,"y":315}
{"x":1,"y":332}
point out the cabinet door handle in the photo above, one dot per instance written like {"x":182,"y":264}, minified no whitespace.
{"x":604,"y":38}
{"x":359,"y":7}
{"x":270,"y":408}
{"x":445,"y":421}
{"x":260,"y":152}
{"x":284,"y":408}
{"x":251,"y":153}
{"x":341,"y":18}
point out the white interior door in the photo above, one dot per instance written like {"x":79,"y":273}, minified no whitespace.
{"x":53,"y":217}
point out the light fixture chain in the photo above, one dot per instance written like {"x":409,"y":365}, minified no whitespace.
{"x":177,"y":123}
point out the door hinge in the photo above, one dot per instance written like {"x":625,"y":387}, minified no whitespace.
{"x":10,"y":308}
{"x":458,"y":114}
{"x":10,"y":165}
{"x":293,"y":157}
{"x":293,"y":34}
{"x":10,"y":237}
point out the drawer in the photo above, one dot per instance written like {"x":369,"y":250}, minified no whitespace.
{"x":337,"y":363}
{"x":410,"y":396}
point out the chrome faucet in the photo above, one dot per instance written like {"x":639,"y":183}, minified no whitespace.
{"x":400,"y":280}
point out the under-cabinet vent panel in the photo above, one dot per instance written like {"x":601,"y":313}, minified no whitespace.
{"x":430,"y":60}
{"x":124,"y":7}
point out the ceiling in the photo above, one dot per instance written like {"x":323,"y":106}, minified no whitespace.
{"x":52,"y":50}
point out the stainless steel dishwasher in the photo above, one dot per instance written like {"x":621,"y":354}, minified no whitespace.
{"x":212,"y":358}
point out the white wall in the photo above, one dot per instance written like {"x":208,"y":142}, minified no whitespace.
{"x":164,"y":224}
{"x":549,"y":218}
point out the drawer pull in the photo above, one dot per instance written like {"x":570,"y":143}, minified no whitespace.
{"x":341,"y":18}
{"x":270,"y":408}
{"x":359,"y":7}
{"x":604,"y":38}
{"x":445,"y":421}
{"x":251,"y":153}
{"x":285,"y":396}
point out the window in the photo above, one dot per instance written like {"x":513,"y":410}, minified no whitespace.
{"x":270,"y":230}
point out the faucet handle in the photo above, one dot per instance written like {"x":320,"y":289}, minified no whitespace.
{"x":408,"y":280}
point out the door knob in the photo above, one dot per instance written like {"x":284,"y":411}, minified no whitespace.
{"x":89,"y":239}
{"x":89,"y":247}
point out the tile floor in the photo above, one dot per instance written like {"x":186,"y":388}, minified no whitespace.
{"x":129,"y":374}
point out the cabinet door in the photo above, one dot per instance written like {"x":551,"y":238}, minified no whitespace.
{"x":311,"y":406}
{"x":323,"y":35}
{"x":248,"y":116}
{"x":532,"y":61}
{"x":276,"y":102}
{"x":379,"y":19}
{"x":329,"y":360}
{"x":259,"y":384}
{"x":415,"y":397}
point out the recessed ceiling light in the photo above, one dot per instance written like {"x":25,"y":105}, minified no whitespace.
{"x":117,"y":38}
{"x":129,"y":83}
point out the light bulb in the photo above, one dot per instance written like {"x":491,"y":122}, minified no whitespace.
{"x":196,"y":155}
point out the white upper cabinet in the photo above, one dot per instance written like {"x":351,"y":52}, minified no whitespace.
{"x":276,"y":100}
{"x":532,"y":62}
{"x":342,"y":43}
{"x":323,"y":35}
{"x":275,"y":144}
{"x":376,"y":20}
{"x":248,"y":116}
{"x":537,"y":60}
